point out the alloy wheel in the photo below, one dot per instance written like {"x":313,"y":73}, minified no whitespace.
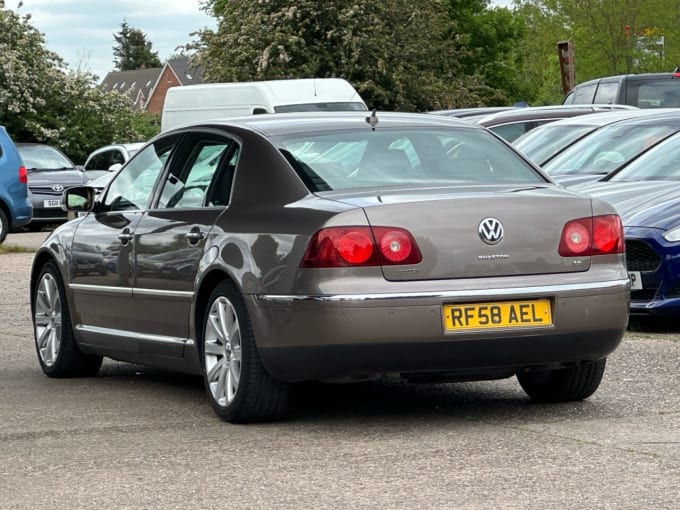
{"x":48,"y":320}
{"x":222,"y":351}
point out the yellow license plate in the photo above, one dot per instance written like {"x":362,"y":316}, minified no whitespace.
{"x":534,"y":313}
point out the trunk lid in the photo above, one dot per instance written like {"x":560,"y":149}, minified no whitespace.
{"x":447,"y":226}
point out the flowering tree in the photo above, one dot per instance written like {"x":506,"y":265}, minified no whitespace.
{"x":42,"y":100}
{"x":399,"y":54}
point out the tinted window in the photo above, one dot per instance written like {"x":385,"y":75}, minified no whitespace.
{"x":513,"y":131}
{"x":133,"y":185}
{"x":187,"y":184}
{"x":356,"y":159}
{"x":606,"y":92}
{"x":99,"y":161}
{"x":320,"y":107}
{"x":584,"y":94}
{"x":660,"y":93}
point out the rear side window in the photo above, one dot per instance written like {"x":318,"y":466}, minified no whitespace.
{"x":584,"y":94}
{"x":606,"y":92}
{"x":403,"y":157}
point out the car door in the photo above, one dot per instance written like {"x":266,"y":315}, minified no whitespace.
{"x":102,"y":252}
{"x":170,"y":238}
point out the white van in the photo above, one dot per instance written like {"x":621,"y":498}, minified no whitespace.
{"x":193,"y":103}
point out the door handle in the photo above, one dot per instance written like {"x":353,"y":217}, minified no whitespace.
{"x":195,"y":235}
{"x":125,"y":236}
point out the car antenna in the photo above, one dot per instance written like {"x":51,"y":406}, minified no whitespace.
{"x":372,"y":120}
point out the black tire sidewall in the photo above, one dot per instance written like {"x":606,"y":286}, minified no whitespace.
{"x":4,"y":226}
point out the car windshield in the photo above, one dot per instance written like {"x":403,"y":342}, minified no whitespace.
{"x":396,"y":157}
{"x":660,"y":163}
{"x":542,"y":143}
{"x":43,"y":157}
{"x":607,"y":149}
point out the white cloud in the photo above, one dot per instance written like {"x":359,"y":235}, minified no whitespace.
{"x":81,"y":31}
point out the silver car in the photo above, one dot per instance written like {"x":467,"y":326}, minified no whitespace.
{"x":272,"y":249}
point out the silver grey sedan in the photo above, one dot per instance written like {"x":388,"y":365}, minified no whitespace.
{"x":267,"y":250}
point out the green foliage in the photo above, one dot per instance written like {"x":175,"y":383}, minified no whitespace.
{"x":399,"y":54}
{"x":41,"y":100}
{"x":133,"y":50}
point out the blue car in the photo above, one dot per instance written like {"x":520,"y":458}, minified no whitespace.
{"x":646,"y":194}
{"x":15,"y":207}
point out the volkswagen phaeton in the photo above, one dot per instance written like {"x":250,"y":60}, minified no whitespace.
{"x":267,"y":250}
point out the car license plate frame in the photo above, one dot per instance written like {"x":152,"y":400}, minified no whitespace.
{"x":635,"y":278}
{"x":532,"y":313}
{"x":53,"y":203}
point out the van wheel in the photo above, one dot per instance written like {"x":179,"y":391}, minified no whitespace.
{"x":4,"y":226}
{"x":239,"y":387}
{"x":58,"y":353}
{"x":563,"y":384}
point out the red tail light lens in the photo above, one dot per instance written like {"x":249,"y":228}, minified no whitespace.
{"x":23,"y":175}
{"x":607,"y":235}
{"x":600,"y":235}
{"x":361,"y":246}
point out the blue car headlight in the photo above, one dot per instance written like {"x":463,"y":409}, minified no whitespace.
{"x":672,"y":235}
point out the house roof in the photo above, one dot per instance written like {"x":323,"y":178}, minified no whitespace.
{"x":144,"y":80}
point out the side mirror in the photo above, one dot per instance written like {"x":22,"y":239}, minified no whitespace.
{"x":115,"y":167}
{"x":79,"y":199}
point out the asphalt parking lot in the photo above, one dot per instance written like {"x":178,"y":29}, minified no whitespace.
{"x":138,"y":438}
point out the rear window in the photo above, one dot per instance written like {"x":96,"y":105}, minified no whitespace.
{"x":658,"y":164}
{"x":398,"y":157}
{"x":662,"y":93}
{"x":541,"y":144}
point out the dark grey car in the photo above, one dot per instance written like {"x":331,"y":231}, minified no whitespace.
{"x":272,"y":249}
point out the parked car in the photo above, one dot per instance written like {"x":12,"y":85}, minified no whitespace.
{"x":109,"y":158}
{"x":647,"y":90}
{"x":472,"y":114}
{"x":514,"y":123}
{"x":646,"y":193}
{"x":610,"y":148}
{"x":334,"y":247}
{"x":50,"y":172}
{"x":15,"y":207}
{"x":545,"y":142}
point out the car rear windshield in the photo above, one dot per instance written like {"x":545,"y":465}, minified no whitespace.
{"x":658,"y":164}
{"x":397,"y":157}
{"x":543,"y":142}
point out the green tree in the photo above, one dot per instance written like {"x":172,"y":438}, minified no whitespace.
{"x":41,"y":100}
{"x":133,"y":50}
{"x":399,"y":54}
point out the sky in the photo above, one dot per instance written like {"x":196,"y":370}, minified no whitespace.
{"x":81,"y":31}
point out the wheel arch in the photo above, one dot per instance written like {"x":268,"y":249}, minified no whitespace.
{"x":208,"y":284}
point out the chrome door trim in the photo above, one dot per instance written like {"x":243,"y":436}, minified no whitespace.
{"x":132,"y":291}
{"x":100,"y":289}
{"x":132,"y":335}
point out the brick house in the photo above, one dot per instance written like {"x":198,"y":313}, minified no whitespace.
{"x":146,"y":88}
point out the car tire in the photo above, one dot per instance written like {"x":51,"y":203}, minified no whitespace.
{"x":58,"y":353}
{"x":563,"y":384}
{"x":4,"y":226}
{"x":239,"y":387}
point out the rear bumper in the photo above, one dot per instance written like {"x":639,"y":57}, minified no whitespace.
{"x":320,"y":337}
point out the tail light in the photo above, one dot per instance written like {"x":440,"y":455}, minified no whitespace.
{"x":599,"y":235}
{"x":23,"y":175}
{"x":361,"y":246}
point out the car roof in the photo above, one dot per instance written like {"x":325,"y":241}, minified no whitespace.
{"x":287,"y":123}
{"x":468,"y":112}
{"x":597,"y":119}
{"x":546,"y":112}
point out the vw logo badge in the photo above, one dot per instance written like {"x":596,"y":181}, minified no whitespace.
{"x":490,"y":231}
{"x":57,"y":187}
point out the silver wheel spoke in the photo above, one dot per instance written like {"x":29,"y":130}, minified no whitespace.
{"x":222,"y":351}
{"x":47,"y":319}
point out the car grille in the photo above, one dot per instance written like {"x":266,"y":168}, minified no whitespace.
{"x":51,"y":213}
{"x":46,"y":190}
{"x":641,"y":257}
{"x":643,"y":294}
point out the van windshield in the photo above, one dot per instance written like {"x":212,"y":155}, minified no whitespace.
{"x":321,"y":107}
